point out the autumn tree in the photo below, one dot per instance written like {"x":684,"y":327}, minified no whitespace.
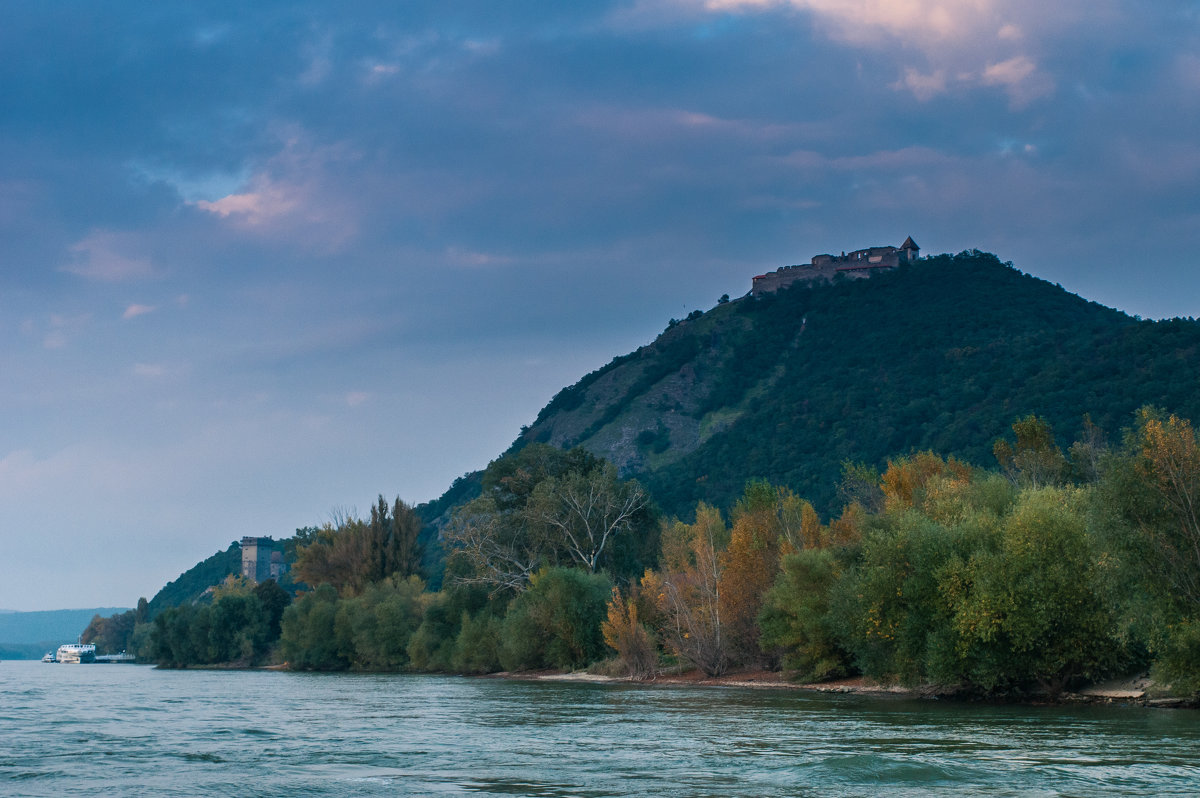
{"x":762,"y":519}
{"x":909,"y":481}
{"x":688,"y":592}
{"x":1170,"y":463}
{"x":625,"y":634}
{"x":1148,"y":495}
{"x":337,"y":556}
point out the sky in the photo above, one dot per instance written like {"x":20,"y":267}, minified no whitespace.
{"x":263,"y":262}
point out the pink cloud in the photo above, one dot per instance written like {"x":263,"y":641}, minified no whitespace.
{"x":295,"y":197}
{"x":268,"y":201}
{"x":1020,"y":78}
{"x":955,"y":44}
{"x":108,"y":256}
{"x":135,"y":310}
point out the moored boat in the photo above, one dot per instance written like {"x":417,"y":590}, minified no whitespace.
{"x":76,"y":653}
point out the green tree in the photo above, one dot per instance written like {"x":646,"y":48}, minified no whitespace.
{"x":1035,"y":459}
{"x":111,"y":635}
{"x":544,"y":507}
{"x":434,"y":645}
{"x":356,"y":553}
{"x":581,"y":513}
{"x":274,"y":600}
{"x":477,"y":647}
{"x":888,"y":608}
{"x":172,"y":643}
{"x":556,"y":622}
{"x":796,"y":620}
{"x":373,"y":629}
{"x":309,"y":640}
{"x":238,"y":632}
{"x":1036,"y":609}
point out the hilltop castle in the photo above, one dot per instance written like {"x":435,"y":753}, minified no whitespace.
{"x":855,"y":265}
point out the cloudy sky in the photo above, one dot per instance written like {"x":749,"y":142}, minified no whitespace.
{"x":260,"y":262}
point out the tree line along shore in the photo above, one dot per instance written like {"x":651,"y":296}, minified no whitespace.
{"x":1053,"y":570}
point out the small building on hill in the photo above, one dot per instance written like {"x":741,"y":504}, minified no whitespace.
{"x":855,"y":265}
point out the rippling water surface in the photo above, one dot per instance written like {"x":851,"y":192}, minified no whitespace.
{"x":133,"y":730}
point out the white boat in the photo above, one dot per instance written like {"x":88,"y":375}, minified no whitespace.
{"x":76,"y":653}
{"x":49,"y":657}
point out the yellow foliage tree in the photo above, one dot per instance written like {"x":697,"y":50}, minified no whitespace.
{"x":1170,"y":462}
{"x":767,"y":519}
{"x":687,"y":590}
{"x":907,"y":479}
{"x":625,"y":635}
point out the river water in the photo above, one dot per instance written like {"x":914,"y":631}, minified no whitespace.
{"x":133,"y":730}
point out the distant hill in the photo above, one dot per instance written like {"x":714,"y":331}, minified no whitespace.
{"x":192,"y":583}
{"x":28,"y":634}
{"x":943,"y":354}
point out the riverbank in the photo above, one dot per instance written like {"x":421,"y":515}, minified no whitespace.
{"x":1136,"y":691}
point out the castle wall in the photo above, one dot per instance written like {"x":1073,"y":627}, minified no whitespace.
{"x":857,"y":265}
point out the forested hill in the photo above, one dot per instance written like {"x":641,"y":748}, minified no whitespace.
{"x":942,"y":354}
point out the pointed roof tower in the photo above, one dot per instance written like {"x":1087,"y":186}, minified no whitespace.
{"x":909,"y":244}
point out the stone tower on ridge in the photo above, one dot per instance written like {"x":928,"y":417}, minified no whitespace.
{"x":261,"y":560}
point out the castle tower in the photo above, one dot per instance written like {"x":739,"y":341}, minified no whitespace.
{"x":909,"y":250}
{"x":256,"y":559}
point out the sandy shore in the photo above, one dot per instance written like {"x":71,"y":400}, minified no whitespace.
{"x":759,"y":679}
{"x":1138,"y":691}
